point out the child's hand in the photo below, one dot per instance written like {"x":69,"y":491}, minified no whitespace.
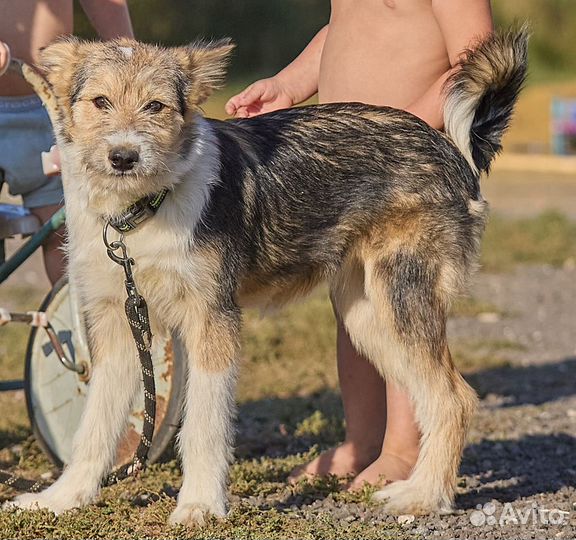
{"x":265,"y":95}
{"x":4,"y":57}
{"x":51,"y":161}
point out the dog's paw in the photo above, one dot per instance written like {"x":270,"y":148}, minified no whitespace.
{"x":193,"y":514}
{"x":53,"y":499}
{"x":404,"y":497}
{"x":35,"y":501}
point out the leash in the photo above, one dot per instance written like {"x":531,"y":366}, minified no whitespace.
{"x":137,"y":315}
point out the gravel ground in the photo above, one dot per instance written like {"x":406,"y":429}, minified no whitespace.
{"x":518,"y":475}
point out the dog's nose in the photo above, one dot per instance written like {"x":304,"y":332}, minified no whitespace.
{"x":123,"y":159}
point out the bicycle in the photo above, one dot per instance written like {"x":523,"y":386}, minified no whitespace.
{"x":57,"y":361}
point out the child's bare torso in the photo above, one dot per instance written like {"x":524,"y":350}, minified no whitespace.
{"x":28,"y":25}
{"x":383,"y":52}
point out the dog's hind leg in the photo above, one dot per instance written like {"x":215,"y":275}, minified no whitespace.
{"x":399,"y":323}
{"x":113,"y":385}
{"x":206,"y":438}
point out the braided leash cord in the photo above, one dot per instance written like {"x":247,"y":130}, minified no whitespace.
{"x":21,"y":484}
{"x":137,"y":314}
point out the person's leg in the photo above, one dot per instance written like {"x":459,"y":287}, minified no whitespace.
{"x":382,"y":436}
{"x":401,"y":444}
{"x":364,"y":399}
{"x":54,"y":258}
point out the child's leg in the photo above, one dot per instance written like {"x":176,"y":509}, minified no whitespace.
{"x":54,"y":259}
{"x":364,"y":399}
{"x":26,"y":133}
{"x":399,"y":451}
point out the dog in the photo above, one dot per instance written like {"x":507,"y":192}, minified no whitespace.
{"x":257,"y":212}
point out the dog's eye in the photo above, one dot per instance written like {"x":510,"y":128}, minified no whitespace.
{"x":101,"y":102}
{"x":154,"y":106}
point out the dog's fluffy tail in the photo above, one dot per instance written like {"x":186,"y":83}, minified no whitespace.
{"x":480,"y":96}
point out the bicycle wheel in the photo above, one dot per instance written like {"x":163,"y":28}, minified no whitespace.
{"x":56,"y":396}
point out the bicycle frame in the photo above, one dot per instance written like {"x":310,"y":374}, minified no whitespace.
{"x":31,"y":245}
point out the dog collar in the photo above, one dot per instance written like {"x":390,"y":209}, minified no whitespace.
{"x":140,"y":211}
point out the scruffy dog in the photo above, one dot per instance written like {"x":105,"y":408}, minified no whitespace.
{"x":371,"y":199}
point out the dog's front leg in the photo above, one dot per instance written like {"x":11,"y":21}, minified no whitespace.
{"x":112,"y":388}
{"x":206,"y":437}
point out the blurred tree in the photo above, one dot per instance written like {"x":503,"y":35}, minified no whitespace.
{"x":553,"y":25}
{"x":270,"y":33}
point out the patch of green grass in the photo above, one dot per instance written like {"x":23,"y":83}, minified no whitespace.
{"x":320,"y":427}
{"x":467,"y":306}
{"x":14,"y":336}
{"x":472,"y":356}
{"x":14,"y":425}
{"x":13,"y":340}
{"x":140,"y":509}
{"x":290,"y":352}
{"x":549,"y":238}
{"x":245,"y":521}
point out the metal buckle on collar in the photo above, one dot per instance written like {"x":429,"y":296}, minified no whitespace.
{"x":139,"y":212}
{"x":132,"y":217}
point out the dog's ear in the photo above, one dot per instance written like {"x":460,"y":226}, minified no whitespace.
{"x":205,"y":66}
{"x":58,"y":62}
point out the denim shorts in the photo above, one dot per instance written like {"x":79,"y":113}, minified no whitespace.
{"x":25,"y":132}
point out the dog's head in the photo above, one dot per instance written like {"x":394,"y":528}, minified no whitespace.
{"x":126,"y":108}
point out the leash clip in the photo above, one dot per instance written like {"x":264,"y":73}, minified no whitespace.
{"x":123,"y":260}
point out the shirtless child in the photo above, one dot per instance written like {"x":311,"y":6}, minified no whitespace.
{"x":26,"y":26}
{"x":383,"y":52}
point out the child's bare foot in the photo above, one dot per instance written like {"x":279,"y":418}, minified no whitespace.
{"x":387,"y":468}
{"x":344,"y":460}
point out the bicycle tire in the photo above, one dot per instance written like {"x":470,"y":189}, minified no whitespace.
{"x":55,"y":396}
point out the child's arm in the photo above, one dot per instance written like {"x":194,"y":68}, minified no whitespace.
{"x":462,"y":23}
{"x":295,"y":83}
{"x":110,"y":18}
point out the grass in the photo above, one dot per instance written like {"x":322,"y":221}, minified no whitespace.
{"x":244,"y":522}
{"x":140,"y":510}
{"x":549,"y":238}
{"x":289,"y":411}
